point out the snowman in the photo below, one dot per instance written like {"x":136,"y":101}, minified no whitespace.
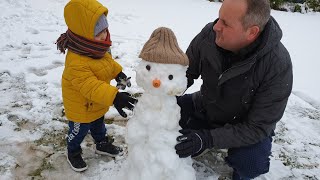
{"x":153,"y":129}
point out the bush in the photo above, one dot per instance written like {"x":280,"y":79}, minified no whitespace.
{"x":292,"y":5}
{"x":276,"y":4}
{"x":314,"y":5}
{"x":297,"y":1}
{"x":297,"y":8}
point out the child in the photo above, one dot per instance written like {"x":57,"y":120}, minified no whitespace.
{"x":86,"y":90}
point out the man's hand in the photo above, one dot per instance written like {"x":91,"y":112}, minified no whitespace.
{"x":124,"y":100}
{"x":123,"y":81}
{"x":193,"y":142}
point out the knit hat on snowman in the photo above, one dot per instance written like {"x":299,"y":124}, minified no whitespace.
{"x":162,"y":47}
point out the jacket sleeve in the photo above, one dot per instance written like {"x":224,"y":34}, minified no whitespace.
{"x":194,"y":59}
{"x":90,"y":87}
{"x":193,"y":53}
{"x":269,"y":103}
{"x":117,"y":68}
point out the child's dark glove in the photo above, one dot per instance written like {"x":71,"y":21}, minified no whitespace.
{"x":123,"y":81}
{"x":124,"y":100}
{"x":193,"y":142}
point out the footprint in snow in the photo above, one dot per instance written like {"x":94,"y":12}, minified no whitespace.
{"x":44,"y":70}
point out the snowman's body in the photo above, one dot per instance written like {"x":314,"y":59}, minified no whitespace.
{"x":152,"y":131}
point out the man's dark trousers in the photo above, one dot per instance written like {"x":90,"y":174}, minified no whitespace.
{"x":247,"y":162}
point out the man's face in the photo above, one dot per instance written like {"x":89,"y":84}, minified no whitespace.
{"x":230,"y":34}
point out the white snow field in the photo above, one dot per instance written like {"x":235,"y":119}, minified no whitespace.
{"x":32,"y":122}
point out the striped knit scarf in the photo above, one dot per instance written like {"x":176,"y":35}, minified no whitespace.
{"x":80,"y":45}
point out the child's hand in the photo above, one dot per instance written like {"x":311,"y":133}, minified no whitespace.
{"x":124,"y":100}
{"x":123,"y":81}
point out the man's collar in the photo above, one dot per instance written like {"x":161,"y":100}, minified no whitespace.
{"x":245,"y":52}
{"x":250,"y":49}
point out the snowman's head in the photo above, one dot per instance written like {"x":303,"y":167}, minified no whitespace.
{"x":161,"y":79}
{"x":162,"y":70}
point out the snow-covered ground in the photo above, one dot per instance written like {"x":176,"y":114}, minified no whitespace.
{"x":32,"y":122}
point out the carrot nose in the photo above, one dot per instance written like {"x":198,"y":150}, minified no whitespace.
{"x":156,"y":83}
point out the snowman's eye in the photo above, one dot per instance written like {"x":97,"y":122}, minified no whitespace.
{"x":148,"y":67}
{"x":170,"y":77}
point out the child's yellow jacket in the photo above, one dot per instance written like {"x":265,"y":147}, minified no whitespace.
{"x":86,"y":90}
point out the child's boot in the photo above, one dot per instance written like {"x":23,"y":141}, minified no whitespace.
{"x":106,"y":147}
{"x":76,"y":162}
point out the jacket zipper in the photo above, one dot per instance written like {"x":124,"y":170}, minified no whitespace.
{"x":235,"y":67}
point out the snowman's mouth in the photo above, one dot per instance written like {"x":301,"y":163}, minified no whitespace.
{"x":175,"y":92}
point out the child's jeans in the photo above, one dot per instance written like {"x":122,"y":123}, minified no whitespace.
{"x":77,"y":132}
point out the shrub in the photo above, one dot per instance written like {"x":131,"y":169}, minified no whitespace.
{"x":276,"y":4}
{"x":297,"y":8}
{"x":314,"y":5}
{"x":301,"y":6}
{"x":297,"y":1}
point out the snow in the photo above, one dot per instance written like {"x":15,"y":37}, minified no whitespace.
{"x":32,"y":122}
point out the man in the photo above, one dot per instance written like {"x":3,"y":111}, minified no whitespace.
{"x":247,"y":79}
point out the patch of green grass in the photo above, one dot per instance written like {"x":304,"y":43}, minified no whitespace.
{"x":22,"y":122}
{"x":44,"y":166}
{"x":61,"y":119}
{"x":56,"y":139}
{"x":136,"y":95}
{"x":2,"y":168}
{"x":290,"y":161}
{"x":108,"y":121}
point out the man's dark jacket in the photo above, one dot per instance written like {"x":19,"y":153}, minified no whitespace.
{"x":243,"y":95}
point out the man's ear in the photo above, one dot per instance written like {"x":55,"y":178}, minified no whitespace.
{"x":253,"y":33}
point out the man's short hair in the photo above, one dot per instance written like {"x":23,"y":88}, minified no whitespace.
{"x":258,"y":13}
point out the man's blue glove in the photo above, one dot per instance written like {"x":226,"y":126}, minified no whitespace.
{"x":193,"y":142}
{"x":123,"y":81}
